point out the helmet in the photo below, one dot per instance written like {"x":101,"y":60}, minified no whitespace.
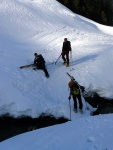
{"x":70,"y":84}
{"x":35,"y":54}
{"x":65,"y":39}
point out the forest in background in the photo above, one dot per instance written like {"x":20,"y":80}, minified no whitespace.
{"x":100,"y":11}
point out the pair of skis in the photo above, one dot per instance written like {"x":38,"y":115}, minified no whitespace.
{"x":72,"y":78}
{"x":27,"y":66}
{"x":32,"y":65}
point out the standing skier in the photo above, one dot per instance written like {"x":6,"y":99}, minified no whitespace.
{"x":65,"y":51}
{"x":39,"y":62}
{"x":75,"y":93}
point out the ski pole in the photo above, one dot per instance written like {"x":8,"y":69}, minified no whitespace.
{"x":71,"y":60}
{"x":82,"y":91}
{"x":58,"y":59}
{"x":85,"y":99}
{"x":86,"y":104}
{"x":70,"y":109}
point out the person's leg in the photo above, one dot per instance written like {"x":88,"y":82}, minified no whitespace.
{"x":63,"y":56}
{"x":34,"y":67}
{"x":80,"y":101}
{"x":42,"y":67}
{"x":67,"y":57}
{"x":75,"y":102}
{"x":45,"y":71}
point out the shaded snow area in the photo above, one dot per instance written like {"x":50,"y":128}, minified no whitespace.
{"x":29,"y":26}
{"x":88,"y":133}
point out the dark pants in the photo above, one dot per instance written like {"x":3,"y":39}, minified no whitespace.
{"x":65,"y":54}
{"x":75,"y":97}
{"x":43,"y":67}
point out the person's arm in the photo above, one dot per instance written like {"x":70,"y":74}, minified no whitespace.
{"x":70,"y":46}
{"x":63,"y":46}
{"x":35,"y":61}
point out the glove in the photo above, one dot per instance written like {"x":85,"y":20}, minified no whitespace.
{"x":69,"y":98}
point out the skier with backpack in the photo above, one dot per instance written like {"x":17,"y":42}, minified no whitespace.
{"x":75,"y":93}
{"x":39,"y":62}
{"x":65,"y":51}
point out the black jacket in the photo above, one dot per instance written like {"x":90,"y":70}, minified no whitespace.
{"x":39,"y":60}
{"x":66,"y":46}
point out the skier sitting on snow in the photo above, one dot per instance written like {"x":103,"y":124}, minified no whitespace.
{"x":39,"y":62}
{"x":75,"y":93}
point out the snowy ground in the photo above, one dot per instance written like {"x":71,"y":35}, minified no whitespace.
{"x":29,"y":26}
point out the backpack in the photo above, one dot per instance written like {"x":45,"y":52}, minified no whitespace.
{"x":74,"y":88}
{"x":69,"y":45}
{"x":41,"y":59}
{"x":66,"y":46}
{"x":75,"y":91}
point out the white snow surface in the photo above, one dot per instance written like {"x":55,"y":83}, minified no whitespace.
{"x":29,"y":26}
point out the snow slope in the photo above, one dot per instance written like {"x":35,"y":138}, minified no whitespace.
{"x":75,"y":135}
{"x":29,"y":26}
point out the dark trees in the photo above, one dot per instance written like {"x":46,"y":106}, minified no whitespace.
{"x":100,"y":11}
